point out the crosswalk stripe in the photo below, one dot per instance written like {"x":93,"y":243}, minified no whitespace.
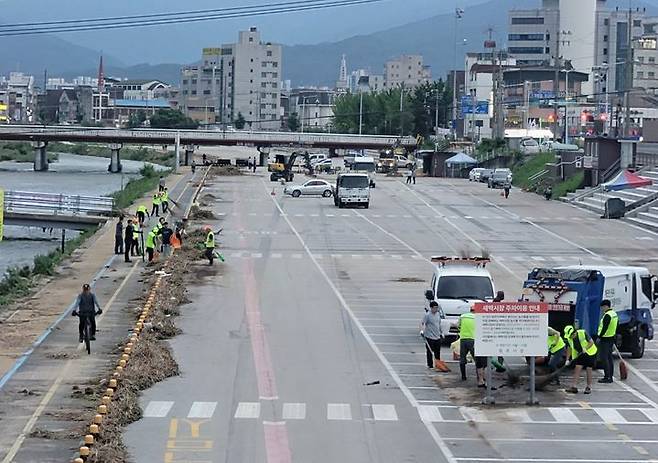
{"x":538,"y":258}
{"x":610,"y":415}
{"x":157,"y":409}
{"x":247,"y":410}
{"x":276,"y":255}
{"x":294,"y":411}
{"x":256,"y":255}
{"x":339,"y":412}
{"x":297,"y":256}
{"x":384,"y":412}
{"x":519,"y":416}
{"x":473,"y":414}
{"x":650,"y":413}
{"x":563,"y":415}
{"x":430,"y":413}
{"x":202,"y":410}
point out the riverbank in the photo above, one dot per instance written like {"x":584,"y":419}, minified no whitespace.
{"x":20,"y":152}
{"x":131,"y":153}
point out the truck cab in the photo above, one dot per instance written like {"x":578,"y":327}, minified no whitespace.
{"x":574,"y":295}
{"x":367,"y":166}
{"x":352,"y":188}
{"x":458,"y":283}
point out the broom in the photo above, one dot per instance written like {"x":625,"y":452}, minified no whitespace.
{"x":438,"y":363}
{"x":623,"y":368}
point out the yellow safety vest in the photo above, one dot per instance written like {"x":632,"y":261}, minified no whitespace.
{"x":555,"y":343}
{"x":150,"y":240}
{"x":165,"y":196}
{"x":582,"y":337}
{"x":467,"y":326}
{"x":157,"y":199}
{"x":210,"y":240}
{"x":611,"y":331}
{"x":142,"y":208}
{"x":136,"y":233}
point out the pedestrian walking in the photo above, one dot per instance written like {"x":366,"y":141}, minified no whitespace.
{"x":166,"y":233}
{"x":414,"y":168}
{"x":161,"y":183}
{"x":193,"y":166}
{"x":582,"y":353}
{"x":409,"y":176}
{"x":155,"y":210}
{"x":557,"y":352}
{"x":506,"y":189}
{"x":466,"y":327}
{"x":142,"y":212}
{"x":118,"y":237}
{"x":430,"y":330}
{"x":209,"y":245}
{"x":128,"y":240}
{"x":607,"y":333}
{"x":85,"y":308}
{"x":164,"y":200}
{"x":254,"y":165}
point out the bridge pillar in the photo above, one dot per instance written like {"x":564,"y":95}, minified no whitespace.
{"x":264,"y":154}
{"x":115,"y":158}
{"x":40,"y":156}
{"x":189,"y":153}
{"x":332,"y":152}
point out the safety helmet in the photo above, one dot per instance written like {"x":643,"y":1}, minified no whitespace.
{"x":568,"y":330}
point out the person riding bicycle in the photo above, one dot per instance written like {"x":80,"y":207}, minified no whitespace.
{"x":85,"y":305}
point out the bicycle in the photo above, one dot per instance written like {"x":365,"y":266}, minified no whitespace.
{"x":86,"y":329}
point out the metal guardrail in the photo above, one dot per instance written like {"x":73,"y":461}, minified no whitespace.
{"x":537,"y":176}
{"x":611,"y":171}
{"x":27,"y":202}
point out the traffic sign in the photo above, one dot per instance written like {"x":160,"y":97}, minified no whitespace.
{"x":511,"y":329}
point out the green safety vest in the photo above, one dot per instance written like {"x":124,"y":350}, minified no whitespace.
{"x":142,"y":208}
{"x":582,"y":337}
{"x":210,"y":240}
{"x":157,"y":227}
{"x":136,"y":233}
{"x":467,"y":326}
{"x":165,"y":196}
{"x":611,"y":331}
{"x":555,"y":343}
{"x":150,"y":240}
{"x":157,"y":199}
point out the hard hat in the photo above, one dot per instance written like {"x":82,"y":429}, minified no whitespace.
{"x":568,"y":331}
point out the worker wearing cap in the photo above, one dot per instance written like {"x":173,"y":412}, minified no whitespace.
{"x":557,"y":350}
{"x":582,"y":352}
{"x":466,"y":327}
{"x":607,"y":333}
{"x":209,"y":245}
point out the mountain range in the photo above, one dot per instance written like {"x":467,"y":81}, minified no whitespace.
{"x":304,"y":64}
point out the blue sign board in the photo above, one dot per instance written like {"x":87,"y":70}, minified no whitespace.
{"x":467,"y":107}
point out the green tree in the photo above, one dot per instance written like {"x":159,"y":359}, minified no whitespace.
{"x":239,"y":121}
{"x":172,"y":119}
{"x":293,"y":122}
{"x":136,"y":119}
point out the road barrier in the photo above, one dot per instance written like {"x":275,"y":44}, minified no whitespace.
{"x":29,"y":202}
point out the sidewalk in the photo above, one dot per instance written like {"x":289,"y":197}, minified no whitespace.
{"x":39,"y":359}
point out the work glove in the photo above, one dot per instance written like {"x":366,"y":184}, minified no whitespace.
{"x":99,"y":311}
{"x":74,"y":314}
{"x":422,"y":334}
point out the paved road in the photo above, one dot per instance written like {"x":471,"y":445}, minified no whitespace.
{"x":315,"y":302}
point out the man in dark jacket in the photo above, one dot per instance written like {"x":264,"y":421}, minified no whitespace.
{"x":118,"y":237}
{"x":130,"y":230}
{"x":86,"y":305}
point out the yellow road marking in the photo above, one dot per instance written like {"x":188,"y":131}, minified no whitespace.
{"x":173,"y":428}
{"x":585,"y":405}
{"x":195,"y":427}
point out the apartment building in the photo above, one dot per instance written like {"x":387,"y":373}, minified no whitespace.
{"x":406,"y":71}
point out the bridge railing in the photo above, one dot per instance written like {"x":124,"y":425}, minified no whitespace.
{"x":28,"y":202}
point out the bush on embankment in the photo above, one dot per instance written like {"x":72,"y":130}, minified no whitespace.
{"x":131,"y":153}
{"x":137,"y":187}
{"x":20,"y":152}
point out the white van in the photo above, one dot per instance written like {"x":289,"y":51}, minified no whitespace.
{"x":352,"y":188}
{"x":316,"y":157}
{"x":365,"y":164}
{"x":458,"y":283}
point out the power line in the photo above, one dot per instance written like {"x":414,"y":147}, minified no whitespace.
{"x":174,"y":18}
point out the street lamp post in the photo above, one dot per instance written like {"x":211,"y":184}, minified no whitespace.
{"x":360,"y":112}
{"x":566,"y":106}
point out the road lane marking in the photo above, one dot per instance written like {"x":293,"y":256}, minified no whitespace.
{"x":650,"y":413}
{"x":294,"y":411}
{"x":473,"y":414}
{"x":339,"y":412}
{"x":563,"y":415}
{"x":276,"y":255}
{"x":520,"y":416}
{"x":384,"y":412}
{"x":247,"y":410}
{"x":436,"y":437}
{"x":430,"y":413}
{"x":277,"y":445}
{"x":173,"y":428}
{"x":202,"y":410}
{"x":157,"y":409}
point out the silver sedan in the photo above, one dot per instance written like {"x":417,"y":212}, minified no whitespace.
{"x":312,"y":187}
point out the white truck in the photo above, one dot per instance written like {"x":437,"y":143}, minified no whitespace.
{"x":458,"y":283}
{"x":574,"y":295}
{"x":352,"y":188}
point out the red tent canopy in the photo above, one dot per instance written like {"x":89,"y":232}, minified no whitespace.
{"x":626,"y":180}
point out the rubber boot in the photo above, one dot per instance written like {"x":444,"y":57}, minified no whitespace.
{"x":462,"y":368}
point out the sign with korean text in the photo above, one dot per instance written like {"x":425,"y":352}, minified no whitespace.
{"x":511,"y":328}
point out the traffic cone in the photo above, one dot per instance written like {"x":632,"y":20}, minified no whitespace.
{"x":273,"y":193}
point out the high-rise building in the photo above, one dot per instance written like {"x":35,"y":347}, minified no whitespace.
{"x":18,"y":93}
{"x":646,"y":57}
{"x":407,"y":71}
{"x":238,"y":78}
{"x":342,"y":84}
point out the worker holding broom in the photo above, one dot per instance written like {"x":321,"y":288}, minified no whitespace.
{"x":557,"y":350}
{"x":606,"y":333}
{"x":430,"y":331}
{"x":582,"y":352}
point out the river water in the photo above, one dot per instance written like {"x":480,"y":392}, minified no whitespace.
{"x":71,"y":174}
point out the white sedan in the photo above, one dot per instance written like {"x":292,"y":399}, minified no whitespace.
{"x":312,"y":187}
{"x":324,"y":165}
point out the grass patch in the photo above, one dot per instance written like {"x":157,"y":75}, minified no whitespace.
{"x":568,"y":186}
{"x":140,"y":153}
{"x":137,"y":188}
{"x":530,"y":167}
{"x":20,"y":152}
{"x":19,"y":281}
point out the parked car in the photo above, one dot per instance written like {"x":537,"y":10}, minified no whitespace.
{"x":316,"y":157}
{"x":506,"y":171}
{"x":351,"y":156}
{"x":485,"y":174}
{"x":325,"y":165}
{"x":312,"y":187}
{"x":546,"y":145}
{"x":403,"y":162}
{"x":529,"y":146}
{"x":474,"y":174}
{"x":499,"y":178}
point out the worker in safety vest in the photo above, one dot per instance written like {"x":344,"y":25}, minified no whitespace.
{"x":157,"y":199}
{"x":209,"y":245}
{"x":557,"y":351}
{"x":466,"y":327}
{"x":607,"y":333}
{"x":142,"y":212}
{"x":150,"y":245}
{"x":581,"y":352}
{"x":137,"y":231}
{"x":164,"y":200}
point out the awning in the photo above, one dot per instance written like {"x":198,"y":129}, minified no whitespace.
{"x":626,"y":180}
{"x":460,"y":158}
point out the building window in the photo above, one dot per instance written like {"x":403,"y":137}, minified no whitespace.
{"x":264,"y":64}
{"x":273,"y":95}
{"x":184,"y":92}
{"x":263,"y":95}
{"x":193,"y":81}
{"x":251,"y":70}
{"x":526,"y":50}
{"x":217,"y":81}
{"x":605,"y":51}
{"x":263,"y":106}
{"x":637,"y":23}
{"x":640,"y":75}
{"x":275,"y":64}
{"x":538,"y":20}
{"x":652,"y":59}
{"x":547,"y":50}
{"x":606,"y":22}
{"x":251,"y":39}
{"x":206,"y":92}
{"x":263,"y":84}
{"x":193,"y":92}
{"x":251,"y":60}
{"x":263,"y":74}
{"x":640,"y":59}
{"x":184,"y":81}
{"x":275,"y":75}
{"x":269,"y":52}
{"x":605,"y":38}
{"x":652,"y":75}
{"x":528,"y":37}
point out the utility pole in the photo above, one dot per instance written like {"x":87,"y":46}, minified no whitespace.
{"x":556,"y":87}
{"x":436,"y":112}
{"x":628,"y":81}
{"x":459,"y":13}
{"x":401,"y":113}
{"x":360,"y":112}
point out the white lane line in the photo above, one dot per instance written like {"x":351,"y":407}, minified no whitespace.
{"x":519,"y":416}
{"x":296,"y":256}
{"x":650,"y":413}
{"x":384,"y":412}
{"x":294,"y":411}
{"x":433,"y":432}
{"x":157,"y":409}
{"x":256,"y":255}
{"x":339,"y":412}
{"x":563,"y":415}
{"x":357,"y":256}
{"x":538,"y":258}
{"x":276,"y":255}
{"x":247,"y":410}
{"x":610,"y":415}
{"x":430,"y":413}
{"x":318,"y":256}
{"x":473,"y":414}
{"x":202,"y":410}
